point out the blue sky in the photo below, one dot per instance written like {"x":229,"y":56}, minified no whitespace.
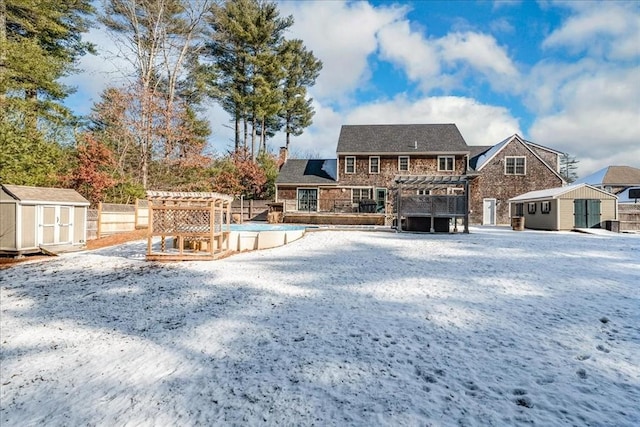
{"x":562,"y":74}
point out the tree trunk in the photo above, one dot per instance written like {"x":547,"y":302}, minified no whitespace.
{"x":3,"y":55}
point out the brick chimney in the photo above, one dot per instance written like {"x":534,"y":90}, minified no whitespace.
{"x":284,"y":155}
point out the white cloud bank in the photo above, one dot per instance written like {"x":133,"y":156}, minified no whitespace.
{"x":584,"y":92}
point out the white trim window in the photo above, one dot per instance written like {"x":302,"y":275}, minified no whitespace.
{"x":350,"y":164}
{"x":403,"y":163}
{"x":515,"y":165}
{"x":531,"y":208}
{"x":358,"y":194}
{"x":446,"y":163}
{"x":423,"y":192}
{"x":374,"y":164}
{"x":545,"y":207}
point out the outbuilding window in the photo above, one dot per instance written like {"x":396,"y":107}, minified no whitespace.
{"x":531,"y":208}
{"x":545,"y":207}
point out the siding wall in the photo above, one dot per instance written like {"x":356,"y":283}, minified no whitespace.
{"x":539,"y":220}
{"x":7,"y":225}
{"x":418,"y":165}
{"x":29,"y":227}
{"x":492,"y":183}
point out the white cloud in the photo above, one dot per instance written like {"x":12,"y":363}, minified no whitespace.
{"x":409,"y":50}
{"x":481,"y":51}
{"x":597,"y":119}
{"x":343,"y":36}
{"x":479,"y":124}
{"x":608,"y":29}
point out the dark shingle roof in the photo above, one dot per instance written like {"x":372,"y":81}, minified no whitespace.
{"x":307,"y":171}
{"x":428,"y":138}
{"x":43,"y":194}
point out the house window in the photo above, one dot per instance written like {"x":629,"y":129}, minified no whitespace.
{"x":358,"y":194}
{"x":403,"y":163}
{"x":545,"y":207}
{"x":445,"y":163}
{"x":423,"y":192}
{"x":350,"y":164}
{"x":531,"y":208}
{"x":515,"y":165}
{"x":374,"y":164}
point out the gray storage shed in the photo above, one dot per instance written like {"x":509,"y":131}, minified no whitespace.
{"x":37,"y":218}
{"x":566,"y":208}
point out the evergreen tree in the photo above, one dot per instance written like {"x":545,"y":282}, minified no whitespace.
{"x":40,"y":42}
{"x":301,"y":69}
{"x":568,"y":167}
{"x":245,"y":77}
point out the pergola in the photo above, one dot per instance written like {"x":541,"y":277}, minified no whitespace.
{"x":198,"y":223}
{"x":437,"y":207}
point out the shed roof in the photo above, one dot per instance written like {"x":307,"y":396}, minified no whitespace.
{"x":308,"y":171}
{"x":29,"y":194}
{"x":410,"y":138}
{"x":554,"y":193}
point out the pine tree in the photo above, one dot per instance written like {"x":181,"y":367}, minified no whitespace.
{"x":568,"y":167}
{"x":301,"y":69}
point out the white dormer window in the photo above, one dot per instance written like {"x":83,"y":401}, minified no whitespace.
{"x":515,"y":165}
{"x":350,"y":164}
{"x":403,"y":163}
{"x":446,"y":163}
{"x":374,"y":164}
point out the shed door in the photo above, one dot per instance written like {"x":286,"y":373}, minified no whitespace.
{"x":55,"y":225}
{"x":587,"y":213}
{"x":48,"y":225}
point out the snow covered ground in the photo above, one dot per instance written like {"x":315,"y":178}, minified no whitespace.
{"x":338,"y":328}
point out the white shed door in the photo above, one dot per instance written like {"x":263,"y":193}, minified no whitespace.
{"x":56,"y":225}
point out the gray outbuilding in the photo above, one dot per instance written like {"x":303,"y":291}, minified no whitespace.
{"x":566,"y":208}
{"x":37,"y":219}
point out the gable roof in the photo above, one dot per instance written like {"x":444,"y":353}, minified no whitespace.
{"x":542,"y":147}
{"x":401,"y":139}
{"x":308,"y":171}
{"x":616,"y":176}
{"x":554,"y":193}
{"x":25,"y":193}
{"x":479,"y":161}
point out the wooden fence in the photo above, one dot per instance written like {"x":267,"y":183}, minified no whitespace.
{"x":629,"y":214}
{"x":112,"y":218}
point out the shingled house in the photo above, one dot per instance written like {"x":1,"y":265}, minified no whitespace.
{"x":420,"y":176}
{"x":512,"y":167}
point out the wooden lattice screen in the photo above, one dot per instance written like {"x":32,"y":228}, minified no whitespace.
{"x":190,"y":225}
